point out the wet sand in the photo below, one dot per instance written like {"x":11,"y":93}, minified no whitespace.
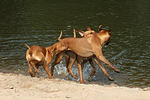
{"x":21,"y":87}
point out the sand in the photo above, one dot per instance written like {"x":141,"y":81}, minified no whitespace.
{"x":21,"y":87}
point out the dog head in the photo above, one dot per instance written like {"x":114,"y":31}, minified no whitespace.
{"x":104,"y":35}
{"x":88,"y":33}
{"x":58,"y":47}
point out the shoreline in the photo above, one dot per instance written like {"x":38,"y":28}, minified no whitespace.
{"x":18,"y":86}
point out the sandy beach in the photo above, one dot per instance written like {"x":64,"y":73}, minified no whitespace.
{"x":21,"y":87}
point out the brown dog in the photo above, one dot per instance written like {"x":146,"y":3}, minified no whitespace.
{"x":97,"y":41}
{"x":88,"y":50}
{"x":71,"y":57}
{"x":42,"y":56}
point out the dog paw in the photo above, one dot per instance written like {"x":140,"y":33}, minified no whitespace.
{"x":118,"y":71}
{"x":37,"y":71}
{"x":32,"y":75}
{"x":110,"y":78}
{"x":75,"y":77}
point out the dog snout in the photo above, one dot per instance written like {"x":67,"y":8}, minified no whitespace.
{"x":63,"y":46}
{"x":108,"y":41}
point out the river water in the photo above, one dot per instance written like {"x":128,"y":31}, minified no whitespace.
{"x":40,"y":22}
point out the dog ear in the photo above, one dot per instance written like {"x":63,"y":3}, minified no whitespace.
{"x":53,"y":47}
{"x":80,"y":32}
{"x":109,"y":31}
{"x":88,"y":28}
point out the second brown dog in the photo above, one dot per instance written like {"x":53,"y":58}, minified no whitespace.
{"x":42,"y":56}
{"x":103,"y":36}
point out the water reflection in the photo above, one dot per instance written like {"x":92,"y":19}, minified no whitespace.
{"x":40,"y":22}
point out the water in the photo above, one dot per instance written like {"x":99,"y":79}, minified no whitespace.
{"x":40,"y":22}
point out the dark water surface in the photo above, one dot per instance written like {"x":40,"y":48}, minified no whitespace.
{"x":40,"y":22}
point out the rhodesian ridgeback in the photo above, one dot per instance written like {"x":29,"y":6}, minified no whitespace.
{"x":71,"y":57}
{"x":42,"y":56}
{"x":92,"y":47}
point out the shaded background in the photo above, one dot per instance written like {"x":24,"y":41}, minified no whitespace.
{"x":40,"y":22}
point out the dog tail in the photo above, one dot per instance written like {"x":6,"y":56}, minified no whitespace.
{"x":100,"y":27}
{"x":27,"y":46}
{"x":59,"y":38}
{"x":74,"y":32}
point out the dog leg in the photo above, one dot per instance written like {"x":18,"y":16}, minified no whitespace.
{"x":99,"y":63}
{"x":34,"y":72}
{"x":92,"y":64}
{"x":67,"y":58}
{"x":33,"y":65}
{"x":46,"y":67}
{"x":103,"y":59}
{"x":30,"y":70}
{"x":70,"y":59}
{"x":58,"y":59}
{"x":79,"y":62}
{"x":80,"y":73}
{"x":71,"y":62}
